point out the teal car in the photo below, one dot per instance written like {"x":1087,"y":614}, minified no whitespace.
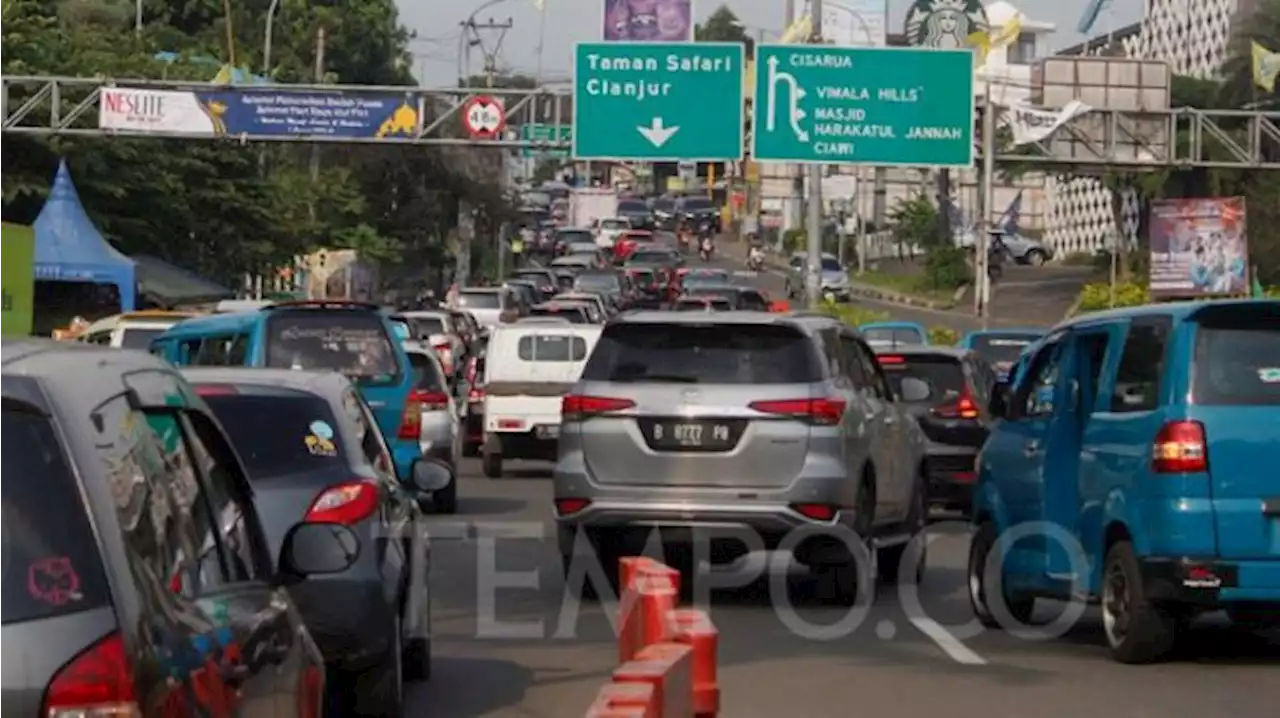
{"x":1001,"y":347}
{"x":892,"y":334}
{"x":359,"y":340}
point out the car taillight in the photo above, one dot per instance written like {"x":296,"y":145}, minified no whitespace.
{"x":824,"y":412}
{"x":95,"y":684}
{"x":216,"y":390}
{"x":346,"y":504}
{"x":891,"y":359}
{"x":962,"y":408}
{"x":576,"y":407}
{"x":475,"y":396}
{"x":1180,"y":448}
{"x":815,"y":512}
{"x":411,"y":418}
{"x":565,"y":507}
{"x":430,"y":400}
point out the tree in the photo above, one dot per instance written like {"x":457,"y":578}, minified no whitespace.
{"x":1238,"y":88}
{"x":722,"y":26}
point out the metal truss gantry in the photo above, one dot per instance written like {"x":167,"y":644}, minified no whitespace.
{"x":68,"y":106}
{"x":1090,"y":143}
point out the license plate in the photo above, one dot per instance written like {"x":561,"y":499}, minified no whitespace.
{"x":549,"y":431}
{"x":698,"y":435}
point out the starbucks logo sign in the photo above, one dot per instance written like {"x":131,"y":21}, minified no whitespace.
{"x":945,"y":24}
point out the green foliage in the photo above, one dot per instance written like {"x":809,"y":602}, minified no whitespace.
{"x":852,"y":314}
{"x":915,"y":221}
{"x":794,"y":240}
{"x":946,"y":268}
{"x":222,"y":209}
{"x":722,"y":26}
{"x":1096,"y":296}
{"x":943,"y":336}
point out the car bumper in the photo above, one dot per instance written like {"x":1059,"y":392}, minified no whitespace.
{"x":841,"y":294}
{"x":951,"y":475}
{"x":524,"y":445}
{"x":1213,"y":583}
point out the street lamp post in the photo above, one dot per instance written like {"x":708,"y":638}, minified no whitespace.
{"x":266,"y":38}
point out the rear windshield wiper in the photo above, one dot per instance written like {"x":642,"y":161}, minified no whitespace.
{"x":657,"y":378}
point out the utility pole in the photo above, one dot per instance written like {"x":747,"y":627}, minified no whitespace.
{"x":813,"y":275}
{"x":474,"y":35}
{"x":319,"y":78}
{"x":982,"y":243}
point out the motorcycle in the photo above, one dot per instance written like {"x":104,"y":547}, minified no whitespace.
{"x":755,"y":260}
{"x":706,"y":249}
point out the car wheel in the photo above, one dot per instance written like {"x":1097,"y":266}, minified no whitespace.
{"x":470,"y":449}
{"x":1035,"y":258}
{"x":491,"y":462}
{"x":889,"y":560}
{"x":586,"y":588}
{"x":1019,"y":608}
{"x":445,"y":501}
{"x":1137,"y":630}
{"x":381,"y":693}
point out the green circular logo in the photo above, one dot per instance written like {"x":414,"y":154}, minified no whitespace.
{"x":945,"y":24}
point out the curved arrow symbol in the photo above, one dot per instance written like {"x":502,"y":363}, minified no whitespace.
{"x":657,"y":133}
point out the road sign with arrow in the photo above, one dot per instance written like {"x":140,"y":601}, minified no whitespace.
{"x":661,"y":102}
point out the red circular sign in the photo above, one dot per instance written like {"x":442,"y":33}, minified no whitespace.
{"x":484,"y":116}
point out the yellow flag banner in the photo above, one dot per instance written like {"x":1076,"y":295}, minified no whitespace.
{"x":1266,"y":66}
{"x":798,"y":32}
{"x":984,"y":42}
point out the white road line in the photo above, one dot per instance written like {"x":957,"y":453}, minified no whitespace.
{"x":951,"y":645}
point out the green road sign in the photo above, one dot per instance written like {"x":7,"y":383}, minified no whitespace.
{"x":863,"y":105}
{"x":660,"y":102}
{"x":539,"y":132}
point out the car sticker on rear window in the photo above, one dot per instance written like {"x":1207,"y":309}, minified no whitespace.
{"x":322,"y":430}
{"x":53,"y":580}
{"x":320,"y":447}
{"x":1269,"y":375}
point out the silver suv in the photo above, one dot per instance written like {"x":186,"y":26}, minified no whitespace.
{"x":733,"y":430}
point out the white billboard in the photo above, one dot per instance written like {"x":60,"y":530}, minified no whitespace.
{"x":852,"y":23}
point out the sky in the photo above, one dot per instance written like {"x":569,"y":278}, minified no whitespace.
{"x":436,"y":56}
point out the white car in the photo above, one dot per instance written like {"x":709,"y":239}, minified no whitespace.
{"x":609,"y":229}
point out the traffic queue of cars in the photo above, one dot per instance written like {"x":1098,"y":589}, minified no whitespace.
{"x":231,"y":524}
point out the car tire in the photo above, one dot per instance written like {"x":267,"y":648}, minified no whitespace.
{"x":491,"y":463}
{"x":1020,"y":609}
{"x":587,"y":589}
{"x":381,"y":693}
{"x":445,"y":501}
{"x":1137,"y":630}
{"x":889,"y":559}
{"x":1035,"y":258}
{"x":470,"y":450}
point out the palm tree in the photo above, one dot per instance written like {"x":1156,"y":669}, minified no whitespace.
{"x":1238,"y":88}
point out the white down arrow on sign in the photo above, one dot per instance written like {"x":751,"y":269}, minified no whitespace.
{"x":657,"y":133}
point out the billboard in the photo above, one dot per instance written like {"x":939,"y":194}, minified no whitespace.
{"x":945,"y":24}
{"x":254,"y":112}
{"x":852,"y":23}
{"x":1199,"y":247}
{"x":18,"y":288}
{"x":647,"y":21}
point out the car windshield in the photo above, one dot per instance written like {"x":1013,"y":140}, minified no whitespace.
{"x":615,"y":224}
{"x":831,"y":264}
{"x":714,"y":290}
{"x":351,"y":342}
{"x":892,"y":336}
{"x":702,"y":354}
{"x":426,"y":326}
{"x":1002,"y":348}
{"x":51,"y":562}
{"x":426,"y":373}
{"x":279,"y":432}
{"x":632,"y":207}
{"x":943,"y":375}
{"x":588,"y":282}
{"x":702,"y":305}
{"x":537,"y":276}
{"x":650,"y":258}
{"x":575,"y":236}
{"x":139,"y":338}
{"x":564,"y":281}
{"x":664,"y":205}
{"x":701,"y":282}
{"x":697,"y":204}
{"x":1237,"y":360}
{"x":480,"y":300}
{"x":573,"y":313}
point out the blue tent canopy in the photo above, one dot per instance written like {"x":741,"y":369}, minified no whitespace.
{"x":70,"y":249}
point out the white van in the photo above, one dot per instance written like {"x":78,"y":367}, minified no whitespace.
{"x":529,"y":367}
{"x":132,"y":330}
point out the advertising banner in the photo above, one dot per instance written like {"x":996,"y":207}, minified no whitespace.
{"x":233,"y":112}
{"x":648,"y":21}
{"x":1199,"y":247}
{"x":1033,"y":124}
{"x":17,"y":263}
{"x":852,"y":23}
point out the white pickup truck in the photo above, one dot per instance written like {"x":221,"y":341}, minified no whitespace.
{"x":529,"y":368}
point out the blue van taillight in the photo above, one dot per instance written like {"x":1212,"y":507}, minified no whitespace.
{"x":1180,"y":448}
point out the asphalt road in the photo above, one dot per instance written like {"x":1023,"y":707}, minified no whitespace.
{"x":525,"y":652}
{"x":522,"y":651}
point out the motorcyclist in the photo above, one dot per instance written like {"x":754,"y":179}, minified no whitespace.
{"x":755,"y":258}
{"x":706,"y":247}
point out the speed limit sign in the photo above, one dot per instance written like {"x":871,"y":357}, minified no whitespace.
{"x":484,"y":117}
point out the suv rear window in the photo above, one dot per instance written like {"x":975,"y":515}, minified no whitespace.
{"x":425,"y":326}
{"x":892,"y":336}
{"x":1002,"y":348}
{"x":426,"y":373}
{"x":703,"y":354}
{"x":352,"y":343}
{"x":51,"y":561}
{"x":552,"y":347}
{"x":139,"y":337}
{"x":280,"y":432}
{"x":480,"y":300}
{"x":1237,"y":361}
{"x":943,"y":375}
{"x":574,"y":315}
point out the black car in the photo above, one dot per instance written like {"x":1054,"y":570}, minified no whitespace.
{"x":636,"y":212}
{"x":313,"y":452}
{"x":544,"y":280}
{"x":650,"y":283}
{"x":137,"y":576}
{"x":744,"y":299}
{"x":949,"y":391}
{"x":664,"y":213}
{"x":696,"y":210}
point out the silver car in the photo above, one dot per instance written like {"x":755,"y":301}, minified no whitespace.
{"x":735,"y":430}
{"x":440,"y":435}
{"x":833,"y":280}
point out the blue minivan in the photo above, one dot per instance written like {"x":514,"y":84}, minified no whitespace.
{"x":356,"y":339}
{"x":1001,"y":347}
{"x":1135,"y":465}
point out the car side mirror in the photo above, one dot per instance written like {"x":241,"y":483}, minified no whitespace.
{"x":431,"y":475}
{"x":316,"y":549}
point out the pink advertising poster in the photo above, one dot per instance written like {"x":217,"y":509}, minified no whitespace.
{"x":648,"y":20}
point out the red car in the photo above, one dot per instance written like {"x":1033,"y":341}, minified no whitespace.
{"x":627,"y":243}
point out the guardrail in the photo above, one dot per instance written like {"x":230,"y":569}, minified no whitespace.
{"x":667,"y":657}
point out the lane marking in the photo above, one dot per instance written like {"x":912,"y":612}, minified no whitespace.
{"x":950,"y":645}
